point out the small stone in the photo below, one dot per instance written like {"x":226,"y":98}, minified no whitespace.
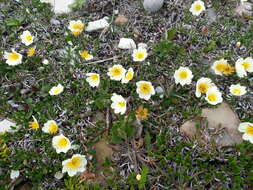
{"x":159,"y":90}
{"x":142,"y":45}
{"x":60,"y":7}
{"x":152,"y":5}
{"x":97,"y":25}
{"x":121,"y":20}
{"x":58,"y":175}
{"x":24,"y":91}
{"x":6,"y":126}
{"x":126,"y":43}
{"x":55,"y":21}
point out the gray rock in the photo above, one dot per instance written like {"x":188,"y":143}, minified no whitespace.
{"x":211,"y":15}
{"x":55,"y":21}
{"x":152,"y":5}
{"x":159,"y":90}
{"x":222,"y":126}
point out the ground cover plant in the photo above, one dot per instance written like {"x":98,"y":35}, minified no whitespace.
{"x":91,"y":115}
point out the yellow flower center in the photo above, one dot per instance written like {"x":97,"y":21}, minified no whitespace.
{"x":246,"y":65}
{"x":198,"y":7}
{"x":122,"y":104}
{"x":78,"y":26}
{"x":53,"y":128}
{"x":74,"y":163}
{"x":34,"y":125}
{"x":237,"y":91}
{"x":129,"y":76}
{"x":13,"y":56}
{"x":140,"y":55}
{"x":212,"y":97}
{"x":63,"y":142}
{"x":249,"y":130}
{"x":30,"y":52}
{"x":56,"y":90}
{"x":228,"y":69}
{"x":94,"y":77}
{"x":183,"y":74}
{"x":116,"y":71}
{"x":28,"y":38}
{"x":76,"y":33}
{"x":220,"y":67}
{"x":203,"y":87}
{"x":145,"y":88}
{"x":84,"y":54}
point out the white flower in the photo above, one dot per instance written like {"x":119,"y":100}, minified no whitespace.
{"x":247,"y":129}
{"x":213,"y":96}
{"x":61,"y":143}
{"x":129,"y":76}
{"x":118,"y":104}
{"x":203,"y":84}
{"x":74,"y":165}
{"x":237,"y":90}
{"x":56,"y":90}
{"x":145,"y":89}
{"x":76,"y":27}
{"x":197,"y":7}
{"x":50,"y":127}
{"x":117,"y":72}
{"x":45,"y":62}
{"x":139,"y":54}
{"x":13,"y":58}
{"x":183,"y":76}
{"x":138,"y":177}
{"x":221,"y":67}
{"x":27,"y":38}
{"x":93,"y":79}
{"x":14,"y":174}
{"x":242,"y":66}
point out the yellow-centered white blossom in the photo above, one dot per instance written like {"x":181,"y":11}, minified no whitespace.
{"x":202,"y":86}
{"x":50,"y":127}
{"x":76,"y":27}
{"x":116,"y":72}
{"x":85,"y":55}
{"x":93,"y":79}
{"x":129,"y":76}
{"x":139,"y":54}
{"x":118,"y":104}
{"x":77,"y":163}
{"x":213,"y":96}
{"x":145,"y":89}
{"x":237,"y":90}
{"x":13,"y":58}
{"x":242,"y":66}
{"x":183,"y":76}
{"x":221,"y":67}
{"x":247,"y":129}
{"x":197,"y":7}
{"x":56,"y":90}
{"x":26,"y":38}
{"x":61,"y":143}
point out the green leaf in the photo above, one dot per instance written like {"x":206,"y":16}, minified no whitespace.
{"x":170,"y":34}
{"x":13,"y":21}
